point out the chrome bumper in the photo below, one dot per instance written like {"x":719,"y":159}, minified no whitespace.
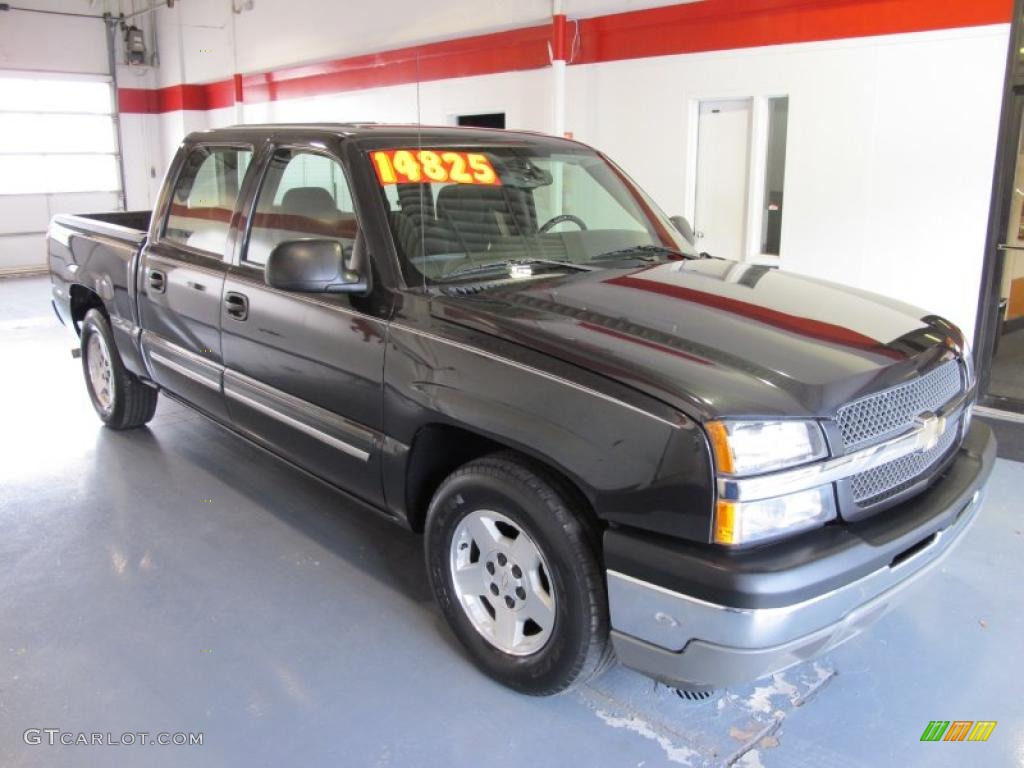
{"x":686,"y":641}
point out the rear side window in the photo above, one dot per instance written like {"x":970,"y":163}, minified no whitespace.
{"x":204,"y":198}
{"x":304,"y":195}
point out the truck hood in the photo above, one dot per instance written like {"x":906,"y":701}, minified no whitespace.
{"x":711,"y":337}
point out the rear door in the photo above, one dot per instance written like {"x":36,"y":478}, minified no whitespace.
{"x":303,"y":371}
{"x":182,"y":273}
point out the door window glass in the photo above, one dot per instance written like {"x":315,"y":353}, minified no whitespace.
{"x":304,"y":195}
{"x":774,"y":176}
{"x":204,"y":198}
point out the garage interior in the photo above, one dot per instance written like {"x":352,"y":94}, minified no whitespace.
{"x":178,"y":578}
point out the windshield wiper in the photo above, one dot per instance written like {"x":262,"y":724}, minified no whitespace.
{"x":510,"y":264}
{"x":641,"y":253}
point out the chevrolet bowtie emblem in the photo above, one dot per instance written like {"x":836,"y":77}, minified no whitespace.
{"x":931,"y":427}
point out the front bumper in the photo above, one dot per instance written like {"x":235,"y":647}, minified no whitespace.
{"x":739,"y":617}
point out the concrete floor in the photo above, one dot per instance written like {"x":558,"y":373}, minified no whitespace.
{"x":175,"y":579}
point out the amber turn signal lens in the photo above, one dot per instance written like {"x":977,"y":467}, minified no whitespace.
{"x":720,"y":446}
{"x":725,"y":522}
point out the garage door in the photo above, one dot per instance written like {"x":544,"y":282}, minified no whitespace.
{"x":59,"y":155}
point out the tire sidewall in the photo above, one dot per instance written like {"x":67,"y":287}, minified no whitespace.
{"x":96,"y":324}
{"x":565,"y":651}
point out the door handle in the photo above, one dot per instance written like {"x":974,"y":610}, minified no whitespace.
{"x":157,"y":281}
{"x":237,"y":305}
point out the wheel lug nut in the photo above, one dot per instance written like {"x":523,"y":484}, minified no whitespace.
{"x":510,"y":602}
{"x":517,"y":571}
{"x":520,"y":593}
{"x":502,"y":559}
{"x":494,"y":589}
{"x":490,"y":567}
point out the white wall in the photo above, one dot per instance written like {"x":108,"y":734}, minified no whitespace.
{"x":524,"y":97}
{"x":890,"y":149}
{"x":213,"y":43}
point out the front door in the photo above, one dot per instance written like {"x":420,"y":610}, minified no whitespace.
{"x":723,"y":166}
{"x":303,"y":372}
{"x":999,"y":349}
{"x":182,"y":276}
{"x":1006,"y":372}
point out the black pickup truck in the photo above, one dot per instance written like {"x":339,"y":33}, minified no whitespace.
{"x":710,"y":470}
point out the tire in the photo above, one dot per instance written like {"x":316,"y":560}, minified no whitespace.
{"x":557,"y":636}
{"x":120,"y":399}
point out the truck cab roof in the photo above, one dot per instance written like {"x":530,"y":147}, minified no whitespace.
{"x":387,"y":133}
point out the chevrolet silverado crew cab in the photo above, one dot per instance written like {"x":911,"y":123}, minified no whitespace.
{"x":614,"y":447}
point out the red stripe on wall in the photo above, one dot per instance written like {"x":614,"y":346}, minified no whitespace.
{"x":718,"y":25}
{"x":690,"y":28}
{"x":175,"y":98}
{"x":516,"y":49}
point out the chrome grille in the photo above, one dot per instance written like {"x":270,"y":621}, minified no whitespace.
{"x":882,"y":414}
{"x":881,"y":482}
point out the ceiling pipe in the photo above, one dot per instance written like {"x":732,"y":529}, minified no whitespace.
{"x":559,"y":50}
{"x":150,"y":9}
{"x":111,"y":22}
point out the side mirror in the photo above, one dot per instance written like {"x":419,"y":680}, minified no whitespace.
{"x":684,"y":228}
{"x":312,"y":266}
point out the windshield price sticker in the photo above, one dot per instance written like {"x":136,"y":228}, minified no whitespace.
{"x":423,"y":166}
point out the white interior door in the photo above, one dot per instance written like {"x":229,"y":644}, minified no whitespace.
{"x":723,"y":168}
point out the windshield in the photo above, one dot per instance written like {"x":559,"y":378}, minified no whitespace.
{"x":455,"y":213}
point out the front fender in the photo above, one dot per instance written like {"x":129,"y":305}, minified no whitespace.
{"x":639,"y":462}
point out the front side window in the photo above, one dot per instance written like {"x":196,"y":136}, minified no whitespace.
{"x":304,"y":195}
{"x":455,"y":212}
{"x":204,"y":198}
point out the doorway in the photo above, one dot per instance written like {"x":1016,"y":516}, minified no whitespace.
{"x":1006,"y":374}
{"x":483,"y":120}
{"x":999,"y":348}
{"x":723,"y":168}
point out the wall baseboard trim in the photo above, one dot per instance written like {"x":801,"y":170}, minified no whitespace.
{"x":34,"y":270}
{"x":998,"y":413}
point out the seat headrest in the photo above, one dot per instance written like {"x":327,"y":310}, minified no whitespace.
{"x":458,"y":193}
{"x":315,"y":202}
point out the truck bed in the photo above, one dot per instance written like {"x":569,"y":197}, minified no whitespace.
{"x":98,"y":252}
{"x":122,"y":225}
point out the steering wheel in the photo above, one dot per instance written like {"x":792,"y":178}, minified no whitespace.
{"x":556,"y":220}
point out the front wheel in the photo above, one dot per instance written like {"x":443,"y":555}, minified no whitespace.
{"x":119,"y":398}
{"x":514,"y":567}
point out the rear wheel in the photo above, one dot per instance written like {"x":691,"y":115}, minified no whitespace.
{"x":120,"y":399}
{"x":513,"y":564}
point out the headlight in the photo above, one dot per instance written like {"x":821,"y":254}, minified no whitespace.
{"x":755,"y":447}
{"x":752,"y":447}
{"x":741,"y":522}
